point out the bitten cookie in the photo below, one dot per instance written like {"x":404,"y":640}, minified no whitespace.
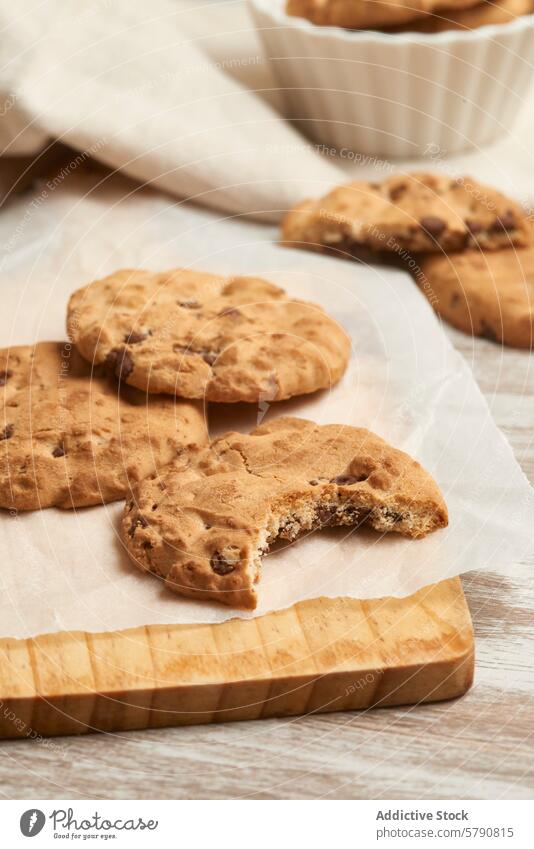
{"x":484,"y":294}
{"x":483,"y":14}
{"x":204,"y":523}
{"x":203,"y":336}
{"x":363,"y":14}
{"x":69,"y":438}
{"x":416,"y":212}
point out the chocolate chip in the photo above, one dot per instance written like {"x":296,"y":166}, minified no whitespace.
{"x":348,"y":480}
{"x":134,"y":338}
{"x":221,"y":565}
{"x":209,"y":357}
{"x":4,"y":377}
{"x":7,"y":432}
{"x":139,"y":522}
{"x":397,"y":192}
{"x":120,"y":363}
{"x":324,"y":514}
{"x":229,"y":311}
{"x":455,"y":300}
{"x":506,"y":222}
{"x":392,"y":515}
{"x":189,"y":305}
{"x":146,"y":544}
{"x":473,"y":225}
{"x":433,"y":225}
{"x":357,"y":515}
{"x":58,"y":451}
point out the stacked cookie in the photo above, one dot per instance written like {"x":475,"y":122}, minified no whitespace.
{"x":469,"y":247}
{"x":70,"y":438}
{"x":116,"y":413}
{"x":206,"y":337}
{"x":430,"y":16}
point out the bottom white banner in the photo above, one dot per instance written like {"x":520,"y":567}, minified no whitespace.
{"x":246,"y":823}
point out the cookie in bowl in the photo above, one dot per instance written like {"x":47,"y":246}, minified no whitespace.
{"x":355,"y":88}
{"x":363,"y":14}
{"x":482,"y":15}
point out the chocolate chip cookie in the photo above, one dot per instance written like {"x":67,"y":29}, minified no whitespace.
{"x":69,"y":438}
{"x":415,"y":212}
{"x":488,"y":294}
{"x":204,"y":523}
{"x":483,"y":14}
{"x":362,"y":14}
{"x":203,"y":336}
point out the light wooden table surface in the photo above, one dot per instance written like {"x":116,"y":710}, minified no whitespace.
{"x":481,"y":746}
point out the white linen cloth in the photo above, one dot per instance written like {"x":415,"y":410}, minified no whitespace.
{"x":122,"y":82}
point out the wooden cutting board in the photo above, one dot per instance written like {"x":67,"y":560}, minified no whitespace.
{"x":321,"y":655}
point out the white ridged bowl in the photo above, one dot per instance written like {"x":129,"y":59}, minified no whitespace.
{"x":402,"y":94}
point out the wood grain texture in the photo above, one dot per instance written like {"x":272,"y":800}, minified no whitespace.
{"x":318,"y":656}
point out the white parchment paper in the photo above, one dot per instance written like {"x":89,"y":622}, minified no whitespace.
{"x":67,"y":570}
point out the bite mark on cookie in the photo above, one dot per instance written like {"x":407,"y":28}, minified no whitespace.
{"x":224,"y":508}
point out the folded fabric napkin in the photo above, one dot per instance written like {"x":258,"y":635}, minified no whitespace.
{"x":123,"y":83}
